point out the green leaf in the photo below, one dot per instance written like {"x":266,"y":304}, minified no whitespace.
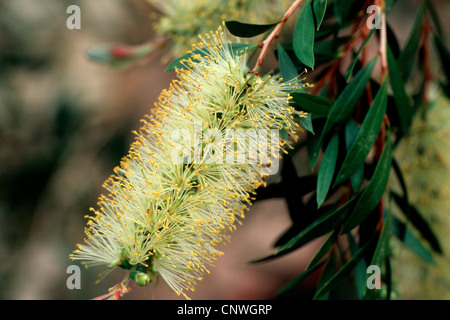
{"x":298,"y":279}
{"x":366,"y":136}
{"x":351,"y":131}
{"x":306,"y":122}
{"x":347,"y":100}
{"x":360,"y":271}
{"x":326,"y":275}
{"x":398,"y":87}
{"x":326,"y":170}
{"x":312,"y":146}
{"x":410,"y":49}
{"x":248,"y":30}
{"x":358,"y":54}
{"x":392,"y":41}
{"x":287,"y":67}
{"x":303,"y":40}
{"x":382,"y":249}
{"x":407,"y":237}
{"x":238,"y":49}
{"x":319,"y":227}
{"x":416,"y":219}
{"x":324,"y":248}
{"x":346,"y":268}
{"x":319,"y":7}
{"x":374,"y":190}
{"x":317,"y":105}
{"x":401,"y":180}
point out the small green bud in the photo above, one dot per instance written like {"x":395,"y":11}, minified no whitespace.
{"x":142,"y":279}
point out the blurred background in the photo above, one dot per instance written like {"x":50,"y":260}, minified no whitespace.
{"x":65,"y":122}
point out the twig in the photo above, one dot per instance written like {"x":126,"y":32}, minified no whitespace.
{"x":264,"y":45}
{"x":382,"y":47}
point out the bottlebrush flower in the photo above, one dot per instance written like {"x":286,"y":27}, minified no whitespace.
{"x":181,"y":21}
{"x":191,"y":172}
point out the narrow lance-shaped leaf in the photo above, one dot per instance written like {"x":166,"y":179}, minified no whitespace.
{"x":298,"y":279}
{"x":324,"y":248}
{"x":401,"y":180}
{"x":319,"y":7}
{"x":326,"y":275}
{"x":248,"y":30}
{"x":374,"y":190}
{"x":287,"y":67}
{"x":326,"y":171}
{"x":366,"y":136}
{"x":382,"y":249}
{"x":392,"y":41}
{"x":346,"y":268}
{"x":318,"y":228}
{"x":414,"y":216}
{"x":317,"y":105}
{"x":360,"y":270}
{"x":351,"y":131}
{"x":303,"y":40}
{"x":401,"y":98}
{"x":411,"y":46}
{"x":312,"y":145}
{"x":306,"y":122}
{"x":347,"y":100}
{"x":407,"y":237}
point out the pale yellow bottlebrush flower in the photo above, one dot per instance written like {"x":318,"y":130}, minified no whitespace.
{"x":184,"y":185}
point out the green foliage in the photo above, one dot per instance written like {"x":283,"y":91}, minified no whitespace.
{"x":366,"y":136}
{"x":248,"y":30}
{"x":326,"y":171}
{"x":358,"y":115}
{"x":303,"y":40}
{"x":319,"y":7}
{"x":316,"y":105}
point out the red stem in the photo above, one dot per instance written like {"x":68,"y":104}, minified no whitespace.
{"x":264,"y":45}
